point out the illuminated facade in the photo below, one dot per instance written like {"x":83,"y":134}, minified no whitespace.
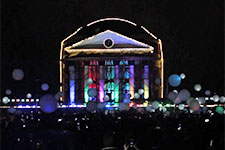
{"x":111,"y":60}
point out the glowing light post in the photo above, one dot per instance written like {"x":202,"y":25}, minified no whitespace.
{"x":72,"y":85}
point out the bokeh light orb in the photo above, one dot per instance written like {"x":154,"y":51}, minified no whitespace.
{"x":216,"y":98}
{"x":201,"y":100}
{"x":17,"y":74}
{"x":92,"y":92}
{"x":155,"y":105}
{"x":8,"y":92}
{"x":197,"y":87}
{"x":106,"y":98}
{"x":89,"y":81}
{"x":44,"y":86}
{"x":207,"y":92}
{"x":101,"y":105}
{"x":5,"y":100}
{"x":194,"y":105}
{"x":182,"y":75}
{"x":219,"y":110}
{"x":172,"y":95}
{"x":141,"y":91}
{"x":222,"y":99}
{"x":28,"y":95}
{"x":183,"y":95}
{"x":91,"y":106}
{"x":174,"y":80}
{"x":177,"y":100}
{"x":181,"y":106}
{"x":149,"y":108}
{"x":190,"y":100}
{"x":136,"y":96}
{"x":48,"y":103}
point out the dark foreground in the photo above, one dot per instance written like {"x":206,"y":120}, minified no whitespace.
{"x":73,"y":130}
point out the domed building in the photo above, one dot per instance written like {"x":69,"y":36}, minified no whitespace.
{"x":111,"y":60}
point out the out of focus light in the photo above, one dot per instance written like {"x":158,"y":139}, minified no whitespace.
{"x":5,"y":100}
{"x":17,"y":74}
{"x":207,"y":92}
{"x":206,"y":120}
{"x":8,"y":92}
{"x":44,"y":86}
{"x":197,"y":87}
{"x":29,"y":95}
{"x":222,"y":99}
{"x":107,"y":106}
{"x":174,"y":80}
{"x":216,"y":98}
{"x":182,"y":76}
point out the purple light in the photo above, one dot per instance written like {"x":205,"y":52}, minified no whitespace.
{"x":101,"y":82}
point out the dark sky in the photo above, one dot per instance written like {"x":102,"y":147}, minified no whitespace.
{"x":192,"y":33}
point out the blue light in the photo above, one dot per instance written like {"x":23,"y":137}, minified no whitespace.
{"x":63,"y":106}
{"x":72,"y":91}
{"x":107,"y":106}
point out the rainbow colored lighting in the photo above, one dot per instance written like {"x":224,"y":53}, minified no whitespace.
{"x":116,"y":84}
{"x":131,"y":81}
{"x":86,"y":97}
{"x":146,"y":82}
{"x":72,"y":87}
{"x":101,"y":85}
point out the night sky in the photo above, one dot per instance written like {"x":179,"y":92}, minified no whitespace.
{"x":192,"y":33}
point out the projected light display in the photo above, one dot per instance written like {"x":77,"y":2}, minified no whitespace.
{"x":111,"y":64}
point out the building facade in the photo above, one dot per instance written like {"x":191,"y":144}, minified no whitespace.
{"x":111,"y":60}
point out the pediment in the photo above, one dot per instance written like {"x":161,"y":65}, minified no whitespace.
{"x":108,"y":40}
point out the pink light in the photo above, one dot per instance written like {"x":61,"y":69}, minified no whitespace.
{"x":101,"y":86}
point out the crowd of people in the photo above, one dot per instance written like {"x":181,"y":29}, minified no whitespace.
{"x":108,"y":129}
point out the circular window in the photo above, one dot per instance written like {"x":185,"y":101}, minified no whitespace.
{"x":108,"y":43}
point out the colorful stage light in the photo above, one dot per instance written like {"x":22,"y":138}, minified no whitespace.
{"x":131,"y":81}
{"x":101,"y":85}
{"x":146,"y":82}
{"x":86,"y":76}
